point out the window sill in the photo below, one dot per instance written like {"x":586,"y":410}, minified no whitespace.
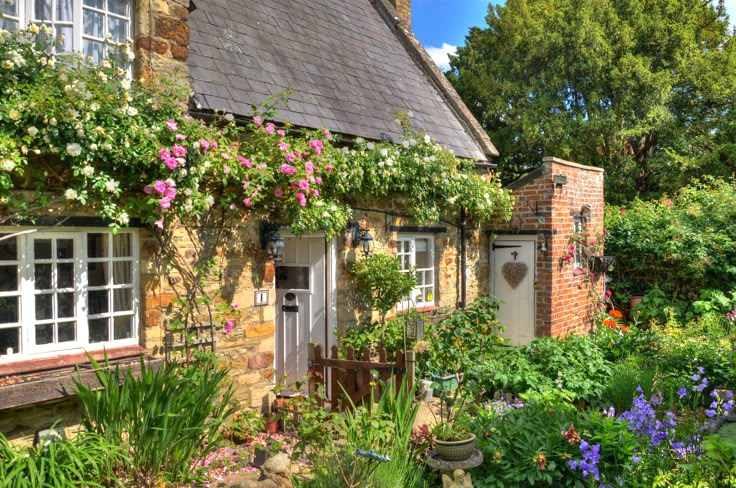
{"x":31,"y":365}
{"x":59,"y":383}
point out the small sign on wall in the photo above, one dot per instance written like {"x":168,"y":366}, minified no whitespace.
{"x":261,"y":298}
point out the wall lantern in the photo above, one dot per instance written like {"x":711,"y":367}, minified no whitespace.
{"x":272,"y":241}
{"x":362,"y":236}
{"x":414,"y":329}
{"x":542,"y":242}
{"x":559,"y":180}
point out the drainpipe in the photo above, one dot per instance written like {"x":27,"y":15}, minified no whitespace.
{"x":463,"y":259}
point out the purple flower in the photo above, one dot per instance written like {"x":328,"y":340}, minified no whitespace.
{"x":710,"y":413}
{"x":682,"y":392}
{"x":695,"y":377}
{"x":701,"y":370}
{"x":635,"y":459}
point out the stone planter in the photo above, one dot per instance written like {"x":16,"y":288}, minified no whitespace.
{"x":455,"y":450}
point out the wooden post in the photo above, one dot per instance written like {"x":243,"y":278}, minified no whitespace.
{"x":411,"y":368}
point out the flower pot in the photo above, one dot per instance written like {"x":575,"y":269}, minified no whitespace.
{"x":272,"y":425}
{"x":445,"y":384}
{"x":635,"y":300}
{"x":455,"y":450}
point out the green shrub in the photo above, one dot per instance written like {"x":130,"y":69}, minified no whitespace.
{"x":382,"y":282}
{"x":507,"y":371}
{"x":626,"y":376}
{"x":166,"y":419}
{"x":86,"y":460}
{"x":573,"y":363}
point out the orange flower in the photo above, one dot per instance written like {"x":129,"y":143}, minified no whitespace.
{"x":615,"y":314}
{"x":611,"y":324}
{"x":624,"y":329}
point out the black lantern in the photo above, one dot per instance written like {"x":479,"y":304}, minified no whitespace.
{"x":414,"y":329}
{"x":272,"y":241}
{"x":361,"y":235}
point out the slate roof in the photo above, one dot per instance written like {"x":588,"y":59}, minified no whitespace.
{"x":343,"y":59}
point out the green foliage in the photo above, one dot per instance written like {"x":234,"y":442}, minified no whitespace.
{"x":574,"y":363}
{"x":87,"y":460}
{"x":460,"y":340}
{"x":166,"y":419}
{"x":683,"y":249}
{"x":643,"y":89}
{"x":626,"y":376}
{"x":382,"y":283}
{"x":246,"y":424}
{"x":508,"y":370}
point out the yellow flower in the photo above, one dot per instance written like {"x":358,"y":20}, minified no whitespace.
{"x":14,"y":114}
{"x":33,"y":29}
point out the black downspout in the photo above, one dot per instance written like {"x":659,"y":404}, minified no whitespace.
{"x":463,"y":260}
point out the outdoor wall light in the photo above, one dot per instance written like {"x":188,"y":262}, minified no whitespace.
{"x":559,"y":180}
{"x":362,"y":236}
{"x":272,"y":241}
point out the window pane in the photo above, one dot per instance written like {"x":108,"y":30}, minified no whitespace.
{"x":43,"y":9}
{"x":65,"y":38}
{"x":122,"y":327}
{"x":93,"y":24}
{"x":94,"y":49}
{"x":99,"y":330}
{"x":65,"y":275}
{"x":97,"y":245}
{"x":42,"y":276}
{"x":44,"y":333}
{"x":44,"y":307}
{"x":9,"y":341}
{"x":97,"y":274}
{"x":8,"y":278}
{"x":121,"y":246}
{"x":64,"y":10}
{"x":98,"y":302}
{"x":65,"y":248}
{"x":95,"y":3}
{"x":42,"y":248}
{"x":66,"y":331}
{"x":121,"y":273}
{"x":8,"y":248}
{"x":9,"y":7}
{"x":122,"y":300}
{"x":65,"y":305}
{"x":117,"y":6}
{"x":8,"y":310}
{"x":117,"y":29}
{"x":8,"y":24}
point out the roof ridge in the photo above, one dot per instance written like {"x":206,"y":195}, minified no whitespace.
{"x":436,"y":77}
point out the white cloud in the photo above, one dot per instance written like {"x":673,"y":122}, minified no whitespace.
{"x":440,"y":55}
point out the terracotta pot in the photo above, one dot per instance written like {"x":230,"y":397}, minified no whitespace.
{"x":635,"y":300}
{"x":272,"y":425}
{"x":455,"y":450}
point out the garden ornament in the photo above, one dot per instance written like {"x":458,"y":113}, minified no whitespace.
{"x":514,"y":272}
{"x":460,"y":479}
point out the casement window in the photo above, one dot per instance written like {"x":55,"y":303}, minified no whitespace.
{"x":416,"y":252}
{"x":67,"y":290}
{"x":88,"y":26}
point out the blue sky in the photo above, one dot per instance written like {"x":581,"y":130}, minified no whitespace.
{"x":441,"y":25}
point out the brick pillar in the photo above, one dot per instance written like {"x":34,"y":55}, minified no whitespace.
{"x":403,"y":8}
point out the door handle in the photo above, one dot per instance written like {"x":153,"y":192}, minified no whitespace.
{"x":289,"y":308}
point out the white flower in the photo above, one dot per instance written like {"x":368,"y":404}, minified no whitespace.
{"x":106,"y":64}
{"x":94,"y":106}
{"x":4,"y":35}
{"x":51,"y":62}
{"x":427,"y":139}
{"x":88,"y":171}
{"x":229,"y":117}
{"x":107,"y":146}
{"x":359,"y":140}
{"x":73,"y":149}
{"x":410,"y":114}
{"x":210,"y":200}
{"x":370,"y":146}
{"x":32,"y":131}
{"x":123,"y":218}
{"x":384,"y":152}
{"x":125,"y":84}
{"x":132,"y":111}
{"x":7,"y":164}
{"x":183,"y":171}
{"x":188,"y":192}
{"x":111,"y":185}
{"x":93,"y":147}
{"x":70,"y":194}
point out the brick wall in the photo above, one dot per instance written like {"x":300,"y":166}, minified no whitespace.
{"x":564,"y":297}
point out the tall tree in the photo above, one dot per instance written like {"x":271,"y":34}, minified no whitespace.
{"x":644,"y":88}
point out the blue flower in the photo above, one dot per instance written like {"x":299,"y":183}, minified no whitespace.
{"x":701,"y":369}
{"x":711,"y":413}
{"x":635,"y":459}
{"x":573,"y":464}
{"x":695,"y":377}
{"x":682,"y":392}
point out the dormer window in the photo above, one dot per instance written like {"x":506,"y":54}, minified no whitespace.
{"x":89,"y":27}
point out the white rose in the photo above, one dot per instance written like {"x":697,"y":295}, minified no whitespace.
{"x":125,"y":84}
{"x":111,"y":185}
{"x":70,"y":194}
{"x":384,"y":152}
{"x":7,"y":164}
{"x":123,"y":218}
{"x":132,"y":111}
{"x":73,"y":149}
{"x":32,"y":131}
{"x":88,"y":171}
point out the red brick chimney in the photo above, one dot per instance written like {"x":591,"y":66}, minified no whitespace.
{"x":403,"y":7}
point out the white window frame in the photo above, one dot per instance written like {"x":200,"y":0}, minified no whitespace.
{"x":27,"y":293}
{"x":26,"y":16}
{"x":410,"y":259}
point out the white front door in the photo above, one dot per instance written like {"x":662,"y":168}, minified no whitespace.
{"x":513,"y":269}
{"x":300,"y":306}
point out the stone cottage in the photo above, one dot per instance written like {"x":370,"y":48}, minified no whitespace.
{"x":349,"y":66}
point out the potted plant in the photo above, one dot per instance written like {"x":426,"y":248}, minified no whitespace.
{"x":453,"y":440}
